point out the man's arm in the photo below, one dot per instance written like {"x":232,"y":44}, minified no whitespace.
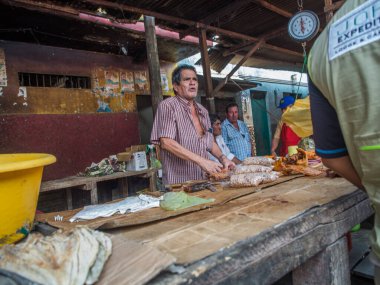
{"x":343,"y":166}
{"x":275,"y":142}
{"x":215,"y":151}
{"x":328,"y":137}
{"x":276,"y":137}
{"x":236,"y":160}
{"x":226,"y":151}
{"x":175,"y":148}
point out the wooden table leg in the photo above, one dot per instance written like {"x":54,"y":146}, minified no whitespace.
{"x":69,"y":199}
{"x":94,"y":193}
{"x":123,"y":186}
{"x":330,"y":266}
{"x":153,"y":181}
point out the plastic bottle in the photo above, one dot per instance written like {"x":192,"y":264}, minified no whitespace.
{"x":153,"y":161}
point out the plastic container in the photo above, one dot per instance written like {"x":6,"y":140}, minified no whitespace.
{"x":138,"y":162}
{"x":20,"y":180}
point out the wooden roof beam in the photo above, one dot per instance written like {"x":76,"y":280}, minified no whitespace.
{"x":238,"y":48}
{"x":273,"y":8}
{"x":45,"y":7}
{"x":237,"y":66}
{"x":57,"y":10}
{"x":65,"y":11}
{"x":188,"y":22}
{"x":330,"y":7}
{"x":333,"y":6}
{"x":267,"y":37}
{"x":234,"y":5}
{"x":329,"y":13}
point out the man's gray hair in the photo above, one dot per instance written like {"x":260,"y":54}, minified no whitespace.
{"x":176,"y":75}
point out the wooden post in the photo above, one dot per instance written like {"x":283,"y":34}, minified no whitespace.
{"x":94,"y":193}
{"x":153,"y":62}
{"x":153,"y":181}
{"x":206,"y":71}
{"x":123,"y":186}
{"x":327,"y":267}
{"x":329,"y":14}
{"x":69,"y":199}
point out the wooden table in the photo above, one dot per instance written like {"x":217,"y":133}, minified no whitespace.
{"x":89,"y":183}
{"x":298,"y":226}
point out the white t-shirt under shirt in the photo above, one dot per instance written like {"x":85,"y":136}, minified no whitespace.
{"x":223,"y":147}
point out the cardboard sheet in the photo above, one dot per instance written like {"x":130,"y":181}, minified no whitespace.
{"x":133,"y":263}
{"x":222,"y":196}
{"x":195,"y":236}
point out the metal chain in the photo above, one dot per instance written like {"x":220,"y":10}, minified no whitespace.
{"x":303,"y":66}
{"x":300,"y":5}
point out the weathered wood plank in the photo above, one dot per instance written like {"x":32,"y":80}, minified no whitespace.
{"x":327,"y":267}
{"x":123,"y":186}
{"x":66,"y":182}
{"x":153,"y":182}
{"x":153,"y":62}
{"x":90,"y":184}
{"x":84,"y":183}
{"x":223,"y":82}
{"x":206,"y":70}
{"x":221,"y":197}
{"x":265,"y":258}
{"x":94,"y":194}
{"x":329,"y":12}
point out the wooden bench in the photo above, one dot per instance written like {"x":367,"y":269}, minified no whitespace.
{"x":90,"y":183}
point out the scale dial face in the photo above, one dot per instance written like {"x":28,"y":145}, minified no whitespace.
{"x":303,"y":26}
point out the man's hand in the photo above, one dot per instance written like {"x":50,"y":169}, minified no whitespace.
{"x":210,"y":166}
{"x":228,"y":164}
{"x":331,"y":173}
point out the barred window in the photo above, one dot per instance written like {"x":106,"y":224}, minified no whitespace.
{"x":54,"y":80}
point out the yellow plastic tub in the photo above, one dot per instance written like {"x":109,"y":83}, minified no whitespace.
{"x":20,"y":180}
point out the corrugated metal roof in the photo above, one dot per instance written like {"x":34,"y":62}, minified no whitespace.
{"x":236,"y":22}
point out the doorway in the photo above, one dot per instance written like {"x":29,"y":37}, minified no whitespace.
{"x":145,"y":112}
{"x":260,"y":122}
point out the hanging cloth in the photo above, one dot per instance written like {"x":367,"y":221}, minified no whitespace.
{"x":288,"y":138}
{"x":298,"y":117}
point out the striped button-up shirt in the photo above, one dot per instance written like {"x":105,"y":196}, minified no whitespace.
{"x":238,"y":141}
{"x":174,"y":121}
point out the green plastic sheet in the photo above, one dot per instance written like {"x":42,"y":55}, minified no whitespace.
{"x":180,"y":200}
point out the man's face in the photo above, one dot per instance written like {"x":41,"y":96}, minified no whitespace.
{"x":188,"y":86}
{"x":216,"y":128}
{"x":232,"y":114}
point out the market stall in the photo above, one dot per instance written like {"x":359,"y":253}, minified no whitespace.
{"x":254,"y":226}
{"x":262,"y":236}
{"x":251,"y":233}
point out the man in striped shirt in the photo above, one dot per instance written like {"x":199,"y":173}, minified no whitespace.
{"x":181,"y":129}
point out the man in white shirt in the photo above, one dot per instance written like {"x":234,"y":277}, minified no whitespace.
{"x":216,"y":130}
